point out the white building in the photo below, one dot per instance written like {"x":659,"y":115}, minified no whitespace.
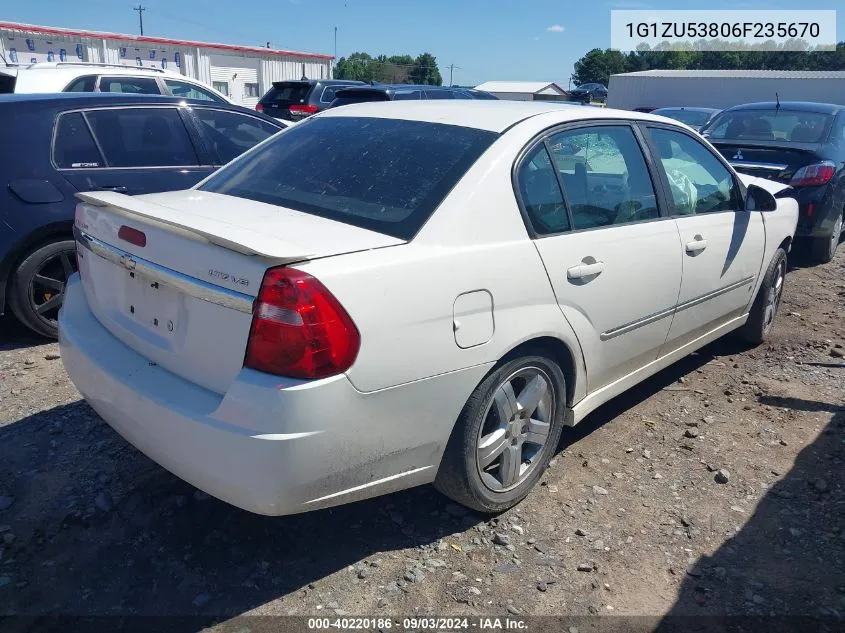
{"x":524,"y":90}
{"x":244,"y":73}
{"x":722,"y":88}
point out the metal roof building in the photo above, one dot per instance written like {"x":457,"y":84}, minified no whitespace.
{"x":244,"y":73}
{"x":722,"y":88}
{"x":524,"y":90}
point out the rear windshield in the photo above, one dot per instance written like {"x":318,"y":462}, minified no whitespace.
{"x":287,"y":92}
{"x":791,"y":126}
{"x":385,"y":175}
{"x":690,"y":117}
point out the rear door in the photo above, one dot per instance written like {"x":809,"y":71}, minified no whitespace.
{"x":612,"y":258}
{"x":722,"y":244}
{"x":132,"y":150}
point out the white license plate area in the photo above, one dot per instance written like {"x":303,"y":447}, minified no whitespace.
{"x":151,"y":303}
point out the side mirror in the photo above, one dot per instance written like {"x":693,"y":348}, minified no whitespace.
{"x":759,"y":199}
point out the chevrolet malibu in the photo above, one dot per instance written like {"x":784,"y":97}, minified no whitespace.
{"x":395,"y":294}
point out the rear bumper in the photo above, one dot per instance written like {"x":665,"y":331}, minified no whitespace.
{"x":269,"y":445}
{"x":826,"y":207}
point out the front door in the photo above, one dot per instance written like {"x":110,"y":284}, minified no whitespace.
{"x":132,"y":150}
{"x":613,"y":261}
{"x":722,"y":243}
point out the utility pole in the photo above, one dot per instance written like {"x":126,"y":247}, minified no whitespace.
{"x":140,"y":11}
{"x":452,"y":68}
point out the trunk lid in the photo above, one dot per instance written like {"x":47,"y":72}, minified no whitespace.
{"x":772,"y":161}
{"x":182,"y":294}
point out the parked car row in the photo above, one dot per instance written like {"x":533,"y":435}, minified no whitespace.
{"x":393,"y":294}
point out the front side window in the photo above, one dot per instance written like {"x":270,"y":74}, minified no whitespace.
{"x":221,"y":86}
{"x":604,"y":174}
{"x":142,"y":137}
{"x":385,"y":175}
{"x":189,"y":91}
{"x":699,"y":182}
{"x":230,"y":133}
{"x":130,"y":85}
{"x":74,"y":147}
{"x":540,"y":193}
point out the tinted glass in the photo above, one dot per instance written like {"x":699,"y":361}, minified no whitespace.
{"x":605,"y":178}
{"x":7,"y":84}
{"x":699,"y":182}
{"x":381,"y":174}
{"x":540,"y":192}
{"x":231,"y":134}
{"x":189,"y":91}
{"x":329,"y":93}
{"x":438,"y":94}
{"x":692,"y":118}
{"x":770,"y":125}
{"x":142,"y":137}
{"x":480,"y":94}
{"x":83,"y":84}
{"x":74,"y":147}
{"x":130,"y":85}
{"x":407,"y":95}
{"x":286,"y":92}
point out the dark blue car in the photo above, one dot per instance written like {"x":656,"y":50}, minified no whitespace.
{"x":57,"y":145}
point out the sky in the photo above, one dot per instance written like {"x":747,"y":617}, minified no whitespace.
{"x":532,"y":40}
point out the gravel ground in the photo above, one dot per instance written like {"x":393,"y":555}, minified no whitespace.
{"x":713,"y":488}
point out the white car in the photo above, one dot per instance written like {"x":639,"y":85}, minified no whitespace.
{"x":44,"y":77}
{"x":401,"y":293}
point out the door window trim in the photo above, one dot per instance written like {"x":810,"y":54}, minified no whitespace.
{"x":664,"y":179}
{"x":542,"y":137}
{"x":179,"y":110}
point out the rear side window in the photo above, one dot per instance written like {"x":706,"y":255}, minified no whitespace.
{"x":82,"y":84}
{"x":385,"y":175}
{"x":130,"y":85}
{"x":189,"y":91}
{"x":407,"y":95}
{"x":438,"y":94}
{"x":74,"y":147}
{"x":329,"y":93}
{"x":230,"y":133}
{"x":142,"y":137}
{"x":286,"y":92}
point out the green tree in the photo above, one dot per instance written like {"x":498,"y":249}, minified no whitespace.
{"x":425,"y":71}
{"x":598,"y":65}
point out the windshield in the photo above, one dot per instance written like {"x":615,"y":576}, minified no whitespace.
{"x":385,"y":175}
{"x":690,"y":117}
{"x":791,"y":126}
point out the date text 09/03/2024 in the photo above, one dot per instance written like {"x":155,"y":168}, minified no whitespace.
{"x":419,"y":624}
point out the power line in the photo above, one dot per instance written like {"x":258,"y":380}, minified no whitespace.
{"x":140,"y":9}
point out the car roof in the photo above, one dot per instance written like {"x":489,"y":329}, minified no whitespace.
{"x":85,"y":99}
{"x":494,"y":116}
{"x":687,"y":109}
{"x":800,"y":106}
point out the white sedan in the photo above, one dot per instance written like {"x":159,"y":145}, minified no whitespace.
{"x":396,"y":294}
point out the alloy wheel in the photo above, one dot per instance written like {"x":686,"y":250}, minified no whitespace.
{"x":47,"y":286}
{"x":515,"y":429}
{"x":774,"y":297}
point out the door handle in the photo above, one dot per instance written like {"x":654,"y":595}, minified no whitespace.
{"x":116,"y":189}
{"x":585,"y":270}
{"x":697,"y":245}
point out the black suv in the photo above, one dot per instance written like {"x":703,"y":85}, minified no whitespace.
{"x":295,"y":100}
{"x":72,"y":142}
{"x":404,"y":92}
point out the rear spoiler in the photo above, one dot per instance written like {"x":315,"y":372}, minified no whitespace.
{"x":239,"y":239}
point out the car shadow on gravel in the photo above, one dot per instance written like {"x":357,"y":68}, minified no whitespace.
{"x":101,"y":529}
{"x":13,"y":335}
{"x":784,"y":570}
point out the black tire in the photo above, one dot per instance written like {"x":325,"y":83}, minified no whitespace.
{"x":459,"y":476}
{"x":823,"y":249}
{"x":766,"y":304}
{"x":38,"y":286}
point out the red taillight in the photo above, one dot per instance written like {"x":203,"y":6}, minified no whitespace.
{"x":259,"y":107}
{"x":133,"y":236}
{"x":810,"y":209}
{"x":303,"y":108}
{"x":299,"y":329}
{"x":813,"y":175}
